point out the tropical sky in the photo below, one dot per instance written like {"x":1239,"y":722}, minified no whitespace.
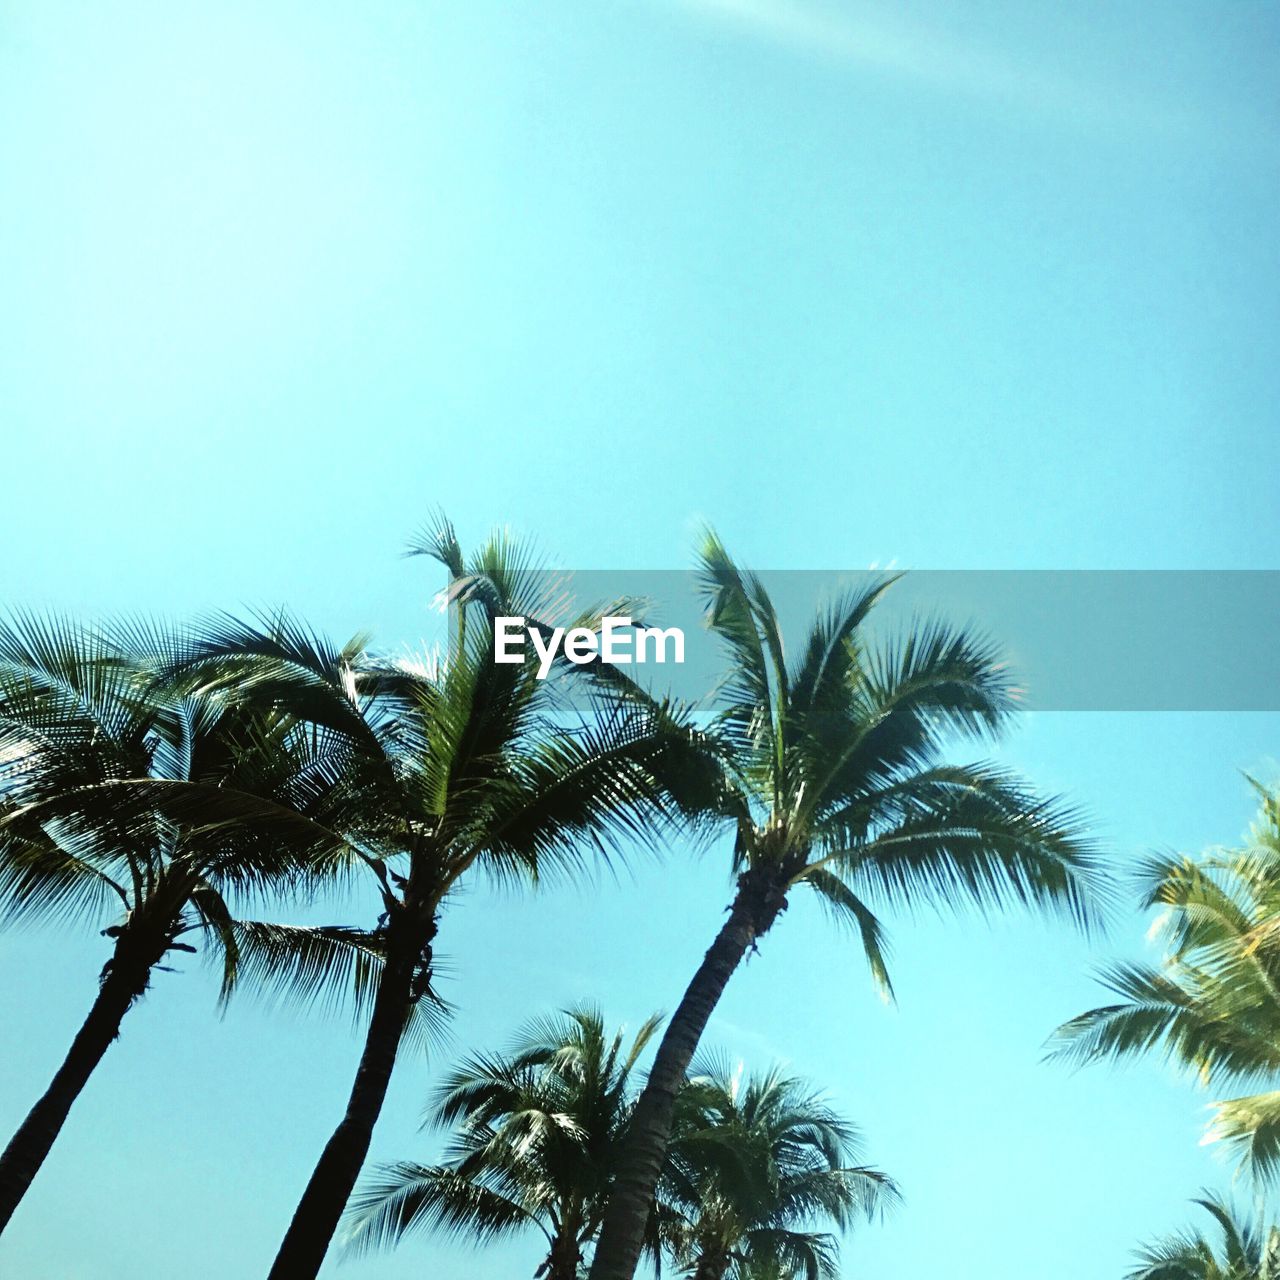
{"x":983,"y":286}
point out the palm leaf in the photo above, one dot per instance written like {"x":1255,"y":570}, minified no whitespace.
{"x":405,"y":1197}
{"x":332,"y":967}
{"x":1250,"y":1129}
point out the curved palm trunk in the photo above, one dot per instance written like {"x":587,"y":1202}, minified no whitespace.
{"x":316,"y":1218}
{"x":123,"y":981}
{"x":755,"y":907}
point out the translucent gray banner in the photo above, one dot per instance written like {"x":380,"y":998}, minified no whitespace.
{"x":1076,"y":640}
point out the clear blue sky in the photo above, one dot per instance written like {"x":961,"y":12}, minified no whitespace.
{"x":991,"y":286}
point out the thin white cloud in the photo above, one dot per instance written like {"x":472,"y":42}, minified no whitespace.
{"x":891,"y":44}
{"x":722,"y":1034}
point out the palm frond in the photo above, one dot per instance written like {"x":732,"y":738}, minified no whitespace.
{"x":41,"y":879}
{"x":405,"y":1197}
{"x":1158,"y":1013}
{"x":757,"y":1171}
{"x":849,"y":909}
{"x":1250,"y":1128}
{"x":332,"y":967}
{"x":991,"y":845}
{"x":534,"y":1134}
{"x":741,"y":616}
{"x":1244,"y":1250}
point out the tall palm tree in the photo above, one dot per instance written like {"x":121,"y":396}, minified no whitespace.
{"x":758,"y":1173}
{"x":1213,"y":1004}
{"x":536,"y":1134}
{"x":432,"y":771}
{"x":91,"y":749}
{"x":1245,"y":1251}
{"x":836,"y":782}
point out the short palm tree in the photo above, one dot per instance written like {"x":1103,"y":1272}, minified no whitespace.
{"x":836,"y":782}
{"x":431,"y":771}
{"x":1213,"y":1004}
{"x":91,"y":749}
{"x":759,"y":1172}
{"x":1244,"y":1251}
{"x":536,"y":1133}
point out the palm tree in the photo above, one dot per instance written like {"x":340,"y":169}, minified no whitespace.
{"x":757,"y":1173}
{"x":537,"y":1131}
{"x":91,"y":748}
{"x":433,"y":770}
{"x":1213,"y":1005}
{"x":835,"y":782}
{"x":1247,"y":1251}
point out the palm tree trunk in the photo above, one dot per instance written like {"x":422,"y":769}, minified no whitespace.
{"x":761,"y":896}
{"x":316,"y":1218}
{"x":563,"y":1260}
{"x":712,"y":1266}
{"x":123,"y":981}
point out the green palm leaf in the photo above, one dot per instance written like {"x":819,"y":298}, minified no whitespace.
{"x":533,"y":1133}
{"x":1213,"y":1005}
{"x":758,"y":1173}
{"x":1242,"y":1250}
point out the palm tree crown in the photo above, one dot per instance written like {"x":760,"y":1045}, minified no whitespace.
{"x":535,"y":1138}
{"x":758,"y":1173}
{"x":94,"y":750}
{"x":836,"y":777}
{"x":1213,"y":1005}
{"x":427,"y":771}
{"x":1243,"y":1251}
{"x":835,"y":780}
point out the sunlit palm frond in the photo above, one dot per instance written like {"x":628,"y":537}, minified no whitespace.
{"x":401,"y":1198}
{"x":277,"y":661}
{"x":41,"y":879}
{"x":1250,"y":1128}
{"x":1202,"y":907}
{"x":332,"y":967}
{"x":1162,"y":1012}
{"x":825,"y":681}
{"x":951,"y":677}
{"x":628,"y":774}
{"x":753,"y":695}
{"x":1213,"y":1004}
{"x":990,"y":845}
{"x":66,"y":682}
